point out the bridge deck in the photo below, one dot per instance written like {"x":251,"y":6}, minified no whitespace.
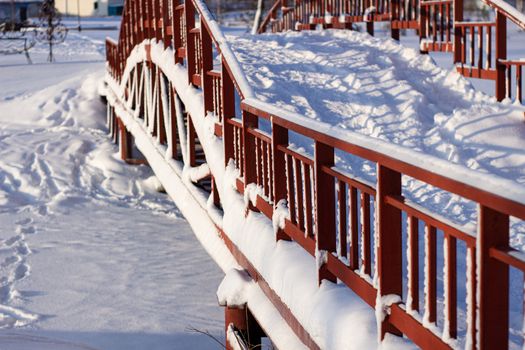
{"x":382,"y":89}
{"x":385,"y":90}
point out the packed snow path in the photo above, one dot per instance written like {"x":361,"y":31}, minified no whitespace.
{"x":382,"y":89}
{"x":92,"y":256}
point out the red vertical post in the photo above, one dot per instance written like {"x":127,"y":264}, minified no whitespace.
{"x":394,"y":17}
{"x":237,"y":318}
{"x":191,"y":142}
{"x":501,"y":54}
{"x":493,"y":280}
{"x":166,"y":34}
{"x":249,"y":121}
{"x":228,"y":111}
{"x":423,"y":21}
{"x":279,"y":139}
{"x":390,"y":241}
{"x":125,"y":141}
{"x":207,"y":66}
{"x":189,"y":12}
{"x":324,"y":206}
{"x":173,"y":121}
{"x":176,"y":30}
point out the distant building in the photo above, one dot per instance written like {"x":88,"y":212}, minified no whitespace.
{"x":19,"y":10}
{"x":115,"y":7}
{"x":87,"y":7}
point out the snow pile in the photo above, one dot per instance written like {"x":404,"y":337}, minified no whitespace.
{"x":233,"y":288}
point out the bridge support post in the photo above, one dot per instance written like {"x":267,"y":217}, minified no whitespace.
{"x":389,"y":252}
{"x":124,"y":141}
{"x":240,"y":320}
{"x":493,"y":280}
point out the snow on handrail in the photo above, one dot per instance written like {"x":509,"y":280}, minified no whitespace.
{"x":509,"y":11}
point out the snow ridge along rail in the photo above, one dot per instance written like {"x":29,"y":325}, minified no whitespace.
{"x":174,"y":87}
{"x":479,"y":49}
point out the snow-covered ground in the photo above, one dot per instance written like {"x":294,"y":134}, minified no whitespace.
{"x":92,"y":256}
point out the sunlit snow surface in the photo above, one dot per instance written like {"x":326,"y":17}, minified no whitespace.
{"x":91,"y":255}
{"x":381,"y":89}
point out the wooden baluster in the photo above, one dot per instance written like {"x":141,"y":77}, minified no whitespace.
{"x":149,"y":16}
{"x":480,"y":48}
{"x":366,"y":259}
{"x":324,"y":206}
{"x":395,"y":19}
{"x":249,"y":121}
{"x":189,"y":12}
{"x":354,"y":234}
{"x":173,"y":122}
{"x":177,"y":39}
{"x":501,"y":54}
{"x":389,"y":230}
{"x":228,"y":112}
{"x":458,"y":31}
{"x":509,"y":80}
{"x":207,"y":66}
{"x":413,"y":258}
{"x":191,"y":142}
{"x":519,"y":83}
{"x":341,"y":204}
{"x":489,"y":47}
{"x":423,"y":24}
{"x":290,"y":188}
{"x":472,"y":47}
{"x":166,"y":23}
{"x":472,"y":298}
{"x":451,"y":285}
{"x":430,"y":274}
{"x":493,"y":304}
{"x":308,"y":200}
{"x":259,"y":161}
{"x":299,"y":193}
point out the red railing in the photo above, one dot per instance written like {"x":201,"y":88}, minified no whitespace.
{"x":479,"y":48}
{"x":331,"y":210}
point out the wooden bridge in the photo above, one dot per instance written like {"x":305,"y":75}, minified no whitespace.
{"x":176,"y":93}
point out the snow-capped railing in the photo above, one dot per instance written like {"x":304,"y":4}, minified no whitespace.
{"x":359,"y":233}
{"x":479,"y":48}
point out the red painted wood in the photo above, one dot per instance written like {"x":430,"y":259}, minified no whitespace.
{"x":325,"y":204}
{"x":413,"y":246}
{"x":431,"y":273}
{"x":501,"y":54}
{"x":228,"y":112}
{"x":389,"y":251}
{"x":493,"y":302}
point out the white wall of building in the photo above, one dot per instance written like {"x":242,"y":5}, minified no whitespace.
{"x":87,"y":7}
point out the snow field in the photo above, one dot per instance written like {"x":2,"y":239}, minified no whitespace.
{"x":91,"y":255}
